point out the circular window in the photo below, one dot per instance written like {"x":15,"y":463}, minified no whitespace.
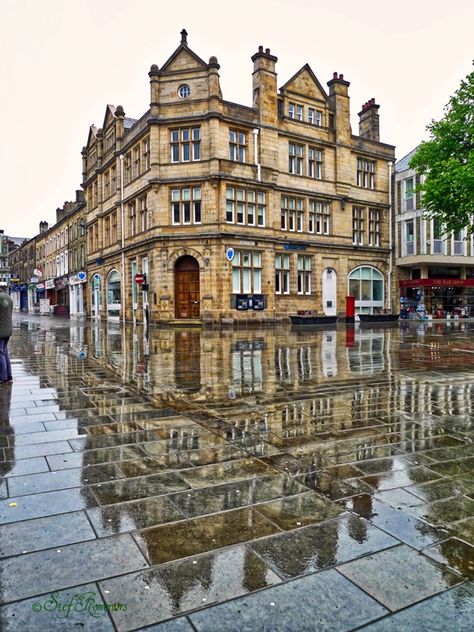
{"x":184,"y":91}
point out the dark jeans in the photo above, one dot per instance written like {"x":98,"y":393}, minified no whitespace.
{"x":5,"y":367}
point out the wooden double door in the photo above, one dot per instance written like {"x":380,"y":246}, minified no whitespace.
{"x":186,"y":288}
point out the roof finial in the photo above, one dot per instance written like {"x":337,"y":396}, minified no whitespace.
{"x":184,"y":36}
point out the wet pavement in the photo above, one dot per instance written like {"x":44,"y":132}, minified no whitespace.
{"x":201,"y":480}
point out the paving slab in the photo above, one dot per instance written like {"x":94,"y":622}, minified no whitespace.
{"x":172,"y":589}
{"x":399,"y":577}
{"x":451,"y":610}
{"x":46,"y":571}
{"x":323,"y":601}
{"x":70,"y":609}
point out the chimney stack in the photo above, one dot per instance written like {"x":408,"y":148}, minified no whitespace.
{"x":43,"y":227}
{"x":340,"y":105}
{"x":264,"y":80}
{"x":369,"y":125}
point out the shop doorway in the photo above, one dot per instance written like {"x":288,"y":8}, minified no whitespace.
{"x":114,"y":296}
{"x":330,"y":292}
{"x":186,"y":288}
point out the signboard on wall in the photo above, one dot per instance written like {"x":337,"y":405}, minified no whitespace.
{"x":437,"y":283}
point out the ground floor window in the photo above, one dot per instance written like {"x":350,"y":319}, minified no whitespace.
{"x":304,"y":274}
{"x":282,"y":274}
{"x":366,"y":285}
{"x":247,"y":273}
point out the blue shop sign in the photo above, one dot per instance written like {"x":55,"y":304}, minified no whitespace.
{"x":295,"y":246}
{"x":230,"y":254}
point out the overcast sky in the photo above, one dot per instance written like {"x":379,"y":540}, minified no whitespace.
{"x":62,"y":61}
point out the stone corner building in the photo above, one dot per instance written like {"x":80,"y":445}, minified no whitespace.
{"x":236,"y":212}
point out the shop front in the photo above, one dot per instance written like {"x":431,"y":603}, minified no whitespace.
{"x":438,"y":298}
{"x":50,"y":293}
{"x":76,"y":294}
{"x":15,"y":293}
{"x":32,"y":294}
{"x":61,"y":307}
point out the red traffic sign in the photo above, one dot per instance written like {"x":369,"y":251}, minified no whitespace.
{"x":139,"y":278}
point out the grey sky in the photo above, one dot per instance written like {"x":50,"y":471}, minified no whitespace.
{"x":62,"y":61}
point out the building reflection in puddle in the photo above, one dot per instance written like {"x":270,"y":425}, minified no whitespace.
{"x":340,"y":407}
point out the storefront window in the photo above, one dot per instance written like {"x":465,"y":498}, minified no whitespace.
{"x":366,"y":285}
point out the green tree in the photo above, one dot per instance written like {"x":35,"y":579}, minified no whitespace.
{"x":447,"y":162}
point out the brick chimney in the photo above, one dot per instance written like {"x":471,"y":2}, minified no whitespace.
{"x":43,"y":227}
{"x":369,"y":126}
{"x":264,"y":83}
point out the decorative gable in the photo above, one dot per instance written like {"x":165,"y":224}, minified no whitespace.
{"x":109,"y":117}
{"x":183,"y":59}
{"x":305,"y":84}
{"x":92,"y":137}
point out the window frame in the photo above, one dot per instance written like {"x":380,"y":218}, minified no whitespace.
{"x":185,"y":145}
{"x":358,"y":225}
{"x":295,"y":158}
{"x":366,"y":173}
{"x":180,"y":204}
{"x":282,"y":273}
{"x":251,"y":282}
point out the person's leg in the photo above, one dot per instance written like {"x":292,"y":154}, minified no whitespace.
{"x":3,"y":360}
{"x":7,"y":361}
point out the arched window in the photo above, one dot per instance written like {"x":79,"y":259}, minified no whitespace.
{"x":367,"y":285}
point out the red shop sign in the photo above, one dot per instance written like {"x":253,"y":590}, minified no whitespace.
{"x":437,"y":283}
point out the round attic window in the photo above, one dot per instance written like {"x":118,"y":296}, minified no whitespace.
{"x":184,"y":90}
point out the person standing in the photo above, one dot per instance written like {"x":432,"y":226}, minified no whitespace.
{"x":6,"y":309}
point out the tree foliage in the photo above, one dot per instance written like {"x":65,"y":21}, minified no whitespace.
{"x":447,"y":163}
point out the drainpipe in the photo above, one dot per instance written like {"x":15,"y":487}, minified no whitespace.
{"x":255,"y":133}
{"x":122,"y":293}
{"x":390,"y":221}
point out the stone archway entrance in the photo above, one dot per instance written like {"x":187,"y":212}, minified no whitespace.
{"x":186,"y":288}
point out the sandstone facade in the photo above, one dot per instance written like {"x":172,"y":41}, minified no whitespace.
{"x":301,"y":201}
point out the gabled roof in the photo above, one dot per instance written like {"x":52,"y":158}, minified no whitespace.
{"x":92,"y":135}
{"x":109,"y":115}
{"x":299,"y":83}
{"x":402,"y":164}
{"x":183,"y":56}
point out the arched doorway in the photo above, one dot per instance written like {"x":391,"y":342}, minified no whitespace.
{"x":96,"y":296}
{"x":330,"y":292}
{"x":186,"y":288}
{"x":114,"y":296}
{"x":366,"y":284}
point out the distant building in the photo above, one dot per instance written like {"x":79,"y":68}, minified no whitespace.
{"x":8,"y":246}
{"x":22,"y":276}
{"x":60,"y":257}
{"x":435,"y":271}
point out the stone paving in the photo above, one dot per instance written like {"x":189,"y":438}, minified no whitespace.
{"x":237,"y":480}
